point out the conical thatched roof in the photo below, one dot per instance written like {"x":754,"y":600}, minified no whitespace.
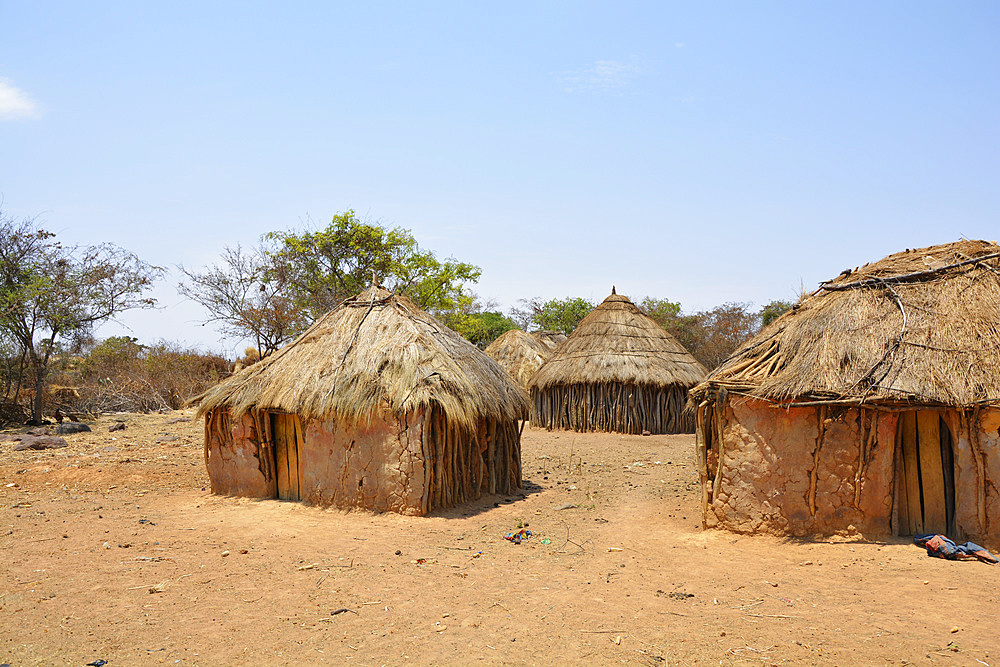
{"x":551,"y":339}
{"x":520,"y":353}
{"x":618,"y":343}
{"x":918,"y":327}
{"x":374,"y":352}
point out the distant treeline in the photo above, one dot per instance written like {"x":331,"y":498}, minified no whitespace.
{"x":52,"y":297}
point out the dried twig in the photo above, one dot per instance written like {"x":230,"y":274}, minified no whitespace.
{"x":871,"y":282}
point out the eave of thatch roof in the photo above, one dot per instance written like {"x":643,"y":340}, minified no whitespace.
{"x":918,"y":327}
{"x":520,"y":353}
{"x":374,"y":353}
{"x":618,"y":343}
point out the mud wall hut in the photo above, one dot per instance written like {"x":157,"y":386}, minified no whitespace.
{"x":871,"y":407}
{"x":378,"y":406}
{"x":520,"y":354}
{"x":618,"y":371}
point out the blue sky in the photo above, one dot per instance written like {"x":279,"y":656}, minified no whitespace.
{"x":702,"y":152}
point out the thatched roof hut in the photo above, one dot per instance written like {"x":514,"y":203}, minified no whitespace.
{"x":520,"y":353}
{"x":618,"y":371}
{"x":377,"y":405}
{"x":551,"y":339}
{"x":871,"y":406}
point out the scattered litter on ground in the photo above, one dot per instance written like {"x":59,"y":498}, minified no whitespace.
{"x":518,"y":535}
{"x":424,"y":561}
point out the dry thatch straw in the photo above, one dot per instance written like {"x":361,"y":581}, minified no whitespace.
{"x":918,"y":327}
{"x":618,"y":371}
{"x":551,"y":339}
{"x":375,"y":353}
{"x":520,"y":353}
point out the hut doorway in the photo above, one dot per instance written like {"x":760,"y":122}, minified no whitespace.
{"x":925,"y":496}
{"x":287,"y":438}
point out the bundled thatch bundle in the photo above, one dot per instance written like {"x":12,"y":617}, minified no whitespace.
{"x":551,"y":339}
{"x":376,"y":370}
{"x":618,"y":371}
{"x":520,"y":353}
{"x":872,"y":405}
{"x":920,"y":326}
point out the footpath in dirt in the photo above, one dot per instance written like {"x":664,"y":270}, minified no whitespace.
{"x":114,"y":550}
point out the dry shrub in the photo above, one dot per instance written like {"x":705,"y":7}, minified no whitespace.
{"x":177,"y":374}
{"x":250,"y":357}
{"x":122,"y":375}
{"x":12,"y":412}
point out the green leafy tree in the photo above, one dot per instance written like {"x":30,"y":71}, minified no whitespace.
{"x":483,"y":328}
{"x":773,"y":311}
{"x":476,"y":320}
{"x":320,"y":269}
{"x":50,"y":293}
{"x":687,"y":329}
{"x":660,"y":310}
{"x":560,"y":314}
{"x":277,"y":290}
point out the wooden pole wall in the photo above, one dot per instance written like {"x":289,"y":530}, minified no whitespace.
{"x":461,"y":464}
{"x":616,"y":407}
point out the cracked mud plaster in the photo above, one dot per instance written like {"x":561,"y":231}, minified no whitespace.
{"x":768,"y":462}
{"x":377,"y":466}
{"x":232,"y":458}
{"x":987,"y":437}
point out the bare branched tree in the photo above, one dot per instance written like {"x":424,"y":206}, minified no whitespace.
{"x":244,"y":299}
{"x":50,"y":293}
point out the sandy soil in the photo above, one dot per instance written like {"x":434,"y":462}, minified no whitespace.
{"x":112,"y":549}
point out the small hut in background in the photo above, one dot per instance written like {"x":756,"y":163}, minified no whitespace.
{"x":520,"y":353}
{"x":618,"y":371}
{"x":872,"y":406}
{"x":551,"y":339}
{"x":377,"y":406}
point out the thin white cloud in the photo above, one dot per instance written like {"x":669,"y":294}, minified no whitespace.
{"x":15,"y":104}
{"x":604,"y":75}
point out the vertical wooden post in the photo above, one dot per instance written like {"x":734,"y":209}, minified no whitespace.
{"x":900,"y":507}
{"x":931,"y":472}
{"x":700,"y":429}
{"x":911,"y":473}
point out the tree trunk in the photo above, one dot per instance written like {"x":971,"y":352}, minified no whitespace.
{"x":36,"y":404}
{"x":40,"y":366}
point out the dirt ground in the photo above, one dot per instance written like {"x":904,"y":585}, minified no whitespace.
{"x":113,"y":549}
